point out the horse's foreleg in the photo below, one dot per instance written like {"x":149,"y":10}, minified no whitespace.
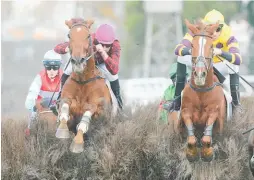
{"x":64,"y":116}
{"x":191,"y":150}
{"x":77,"y":145}
{"x":207,"y":149}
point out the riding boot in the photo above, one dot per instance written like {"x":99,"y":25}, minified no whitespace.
{"x":235,"y":93}
{"x":53,"y":108}
{"x":116,"y":90}
{"x":180,"y":83}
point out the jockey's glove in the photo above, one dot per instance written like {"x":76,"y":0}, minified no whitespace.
{"x":217,"y":51}
{"x":53,"y":108}
{"x":186,"y":51}
{"x":34,"y":109}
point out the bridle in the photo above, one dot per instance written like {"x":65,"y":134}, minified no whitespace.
{"x":85,"y":58}
{"x":203,"y":59}
{"x":90,"y":43}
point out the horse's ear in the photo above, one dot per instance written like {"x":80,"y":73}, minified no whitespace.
{"x":89,"y":22}
{"x":191,"y":27}
{"x":68,"y":23}
{"x":213,"y":28}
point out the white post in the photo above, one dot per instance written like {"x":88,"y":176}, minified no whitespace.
{"x":148,"y":45}
{"x":179,"y":29}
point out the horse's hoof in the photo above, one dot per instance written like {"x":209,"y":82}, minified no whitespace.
{"x":192,"y":153}
{"x":62,"y":133}
{"x":207,"y":154}
{"x":77,"y":145}
{"x":76,"y":148}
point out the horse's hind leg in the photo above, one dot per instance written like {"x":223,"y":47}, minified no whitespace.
{"x":62,"y":130}
{"x":191,"y":150}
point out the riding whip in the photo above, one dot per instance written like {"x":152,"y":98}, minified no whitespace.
{"x":245,"y":132}
{"x":236,"y":73}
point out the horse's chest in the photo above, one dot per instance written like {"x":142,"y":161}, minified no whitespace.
{"x":200,"y":113}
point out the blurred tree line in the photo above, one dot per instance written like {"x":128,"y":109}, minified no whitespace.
{"x":135,"y":23}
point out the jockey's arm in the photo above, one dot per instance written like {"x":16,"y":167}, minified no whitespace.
{"x":112,"y":62}
{"x":233,"y":52}
{"x":33,"y":93}
{"x":184,"y":47}
{"x":61,"y":48}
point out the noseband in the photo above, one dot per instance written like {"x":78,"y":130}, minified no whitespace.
{"x":203,"y":59}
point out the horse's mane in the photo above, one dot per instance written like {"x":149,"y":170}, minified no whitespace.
{"x":78,"y":21}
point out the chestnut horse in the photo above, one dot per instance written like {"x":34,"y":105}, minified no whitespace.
{"x":203,"y":108}
{"x":45,"y":118}
{"x":85,"y":94}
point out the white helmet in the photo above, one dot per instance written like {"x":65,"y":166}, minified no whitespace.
{"x":51,"y":58}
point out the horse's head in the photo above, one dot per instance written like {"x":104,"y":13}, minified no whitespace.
{"x":202,"y":50}
{"x":80,"y":43}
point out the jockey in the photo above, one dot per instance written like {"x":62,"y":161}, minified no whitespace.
{"x":169,"y":93}
{"x":44,"y":84}
{"x":225,"y":45}
{"x":107,"y":57}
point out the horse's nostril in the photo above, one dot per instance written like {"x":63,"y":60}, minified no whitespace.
{"x":195,"y":73}
{"x":73,"y":61}
{"x":203,"y":74}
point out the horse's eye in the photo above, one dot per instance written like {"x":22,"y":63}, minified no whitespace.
{"x":68,"y":36}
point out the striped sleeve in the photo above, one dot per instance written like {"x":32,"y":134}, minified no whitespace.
{"x":33,"y":93}
{"x":60,"y":48}
{"x":234,"y":51}
{"x":184,"y":45}
{"x":112,"y":62}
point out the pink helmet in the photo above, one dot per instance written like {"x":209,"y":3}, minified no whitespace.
{"x":105,"y":34}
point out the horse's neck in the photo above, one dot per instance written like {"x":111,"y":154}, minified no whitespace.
{"x":89,"y":72}
{"x":90,"y":66}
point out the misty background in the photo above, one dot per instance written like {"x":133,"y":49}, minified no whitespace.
{"x":148,"y":33}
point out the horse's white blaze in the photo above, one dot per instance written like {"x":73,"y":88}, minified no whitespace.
{"x":78,"y":29}
{"x":64,"y":112}
{"x":202,"y":42}
{"x":83,"y":125}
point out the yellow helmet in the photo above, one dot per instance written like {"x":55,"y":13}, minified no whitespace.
{"x":213,"y":17}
